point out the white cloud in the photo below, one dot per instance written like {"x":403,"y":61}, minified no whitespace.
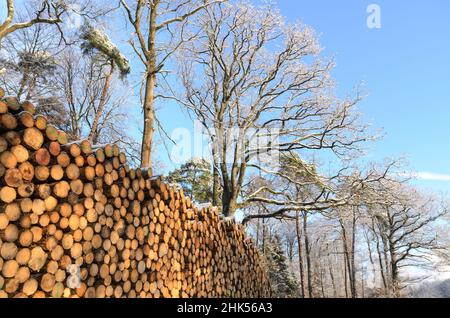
{"x":430,"y":176}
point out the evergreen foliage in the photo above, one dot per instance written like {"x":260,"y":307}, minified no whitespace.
{"x":283,"y":283}
{"x":195,"y":177}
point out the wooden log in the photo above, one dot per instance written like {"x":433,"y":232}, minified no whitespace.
{"x":51,"y":132}
{"x":41,"y":173}
{"x":12,"y":211}
{"x":10,"y":268}
{"x":12,"y":103}
{"x":8,"y":159}
{"x":100,"y":155}
{"x":77,"y":186}
{"x":4,"y":221}
{"x":37,"y":234}
{"x":28,"y":107}
{"x":20,"y":152}
{"x":56,"y":172}
{"x":79,"y":161}
{"x":88,"y":173}
{"x":37,"y":259}
{"x":74,"y":149}
{"x":33,"y":138}
{"x":8,"y":121}
{"x":25,"y":119}
{"x":11,"y":286}
{"x":43,"y":190}
{"x":3,"y":144}
{"x":63,"y":159}
{"x":30,"y":287}
{"x":42,"y":157}
{"x":72,"y":171}
{"x":12,"y":138}
{"x":8,"y":251}
{"x":11,"y":233}
{"x":47,"y":282}
{"x":26,"y":205}
{"x":26,"y":238}
{"x":3,"y":106}
{"x":61,"y":189}
{"x":7,"y":194}
{"x":27,"y":171}
{"x":54,"y":148}
{"x":38,"y":206}
{"x":13,"y":178}
{"x":23,"y":256}
{"x":40,"y":122}
{"x":62,"y":137}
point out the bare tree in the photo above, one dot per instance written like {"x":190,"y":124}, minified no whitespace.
{"x":159,"y":29}
{"x":249,"y":76}
{"x":384,"y":240}
{"x":81,"y":88}
{"x":405,"y":222}
{"x":52,"y":14}
{"x":48,"y":12}
{"x":347,"y":218}
{"x":98,"y":40}
{"x":29,"y":60}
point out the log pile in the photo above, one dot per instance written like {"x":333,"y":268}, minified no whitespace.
{"x":77,"y":221}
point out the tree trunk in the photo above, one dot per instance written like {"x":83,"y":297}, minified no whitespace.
{"x":372,"y":262}
{"x":388,"y":274}
{"x":345,"y":278}
{"x":264,"y":236}
{"x":216,"y":180}
{"x":300,"y":261}
{"x":352,"y":255}
{"x":362,"y":283}
{"x":147,"y":138}
{"x":322,"y":287}
{"x":347,"y":259}
{"x":149,"y":98}
{"x":380,"y":257}
{"x":229,"y":201}
{"x":349,"y":252}
{"x":258,"y":224}
{"x":93,"y":134}
{"x":330,"y":269}
{"x":23,"y":83}
{"x":308,"y":254}
{"x":216,"y":183}
{"x":382,"y":270}
{"x":394,"y":271}
{"x":31,"y":88}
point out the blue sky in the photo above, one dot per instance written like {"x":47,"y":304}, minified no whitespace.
{"x":405,"y":68}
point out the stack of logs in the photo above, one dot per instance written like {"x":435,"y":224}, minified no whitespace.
{"x":129,"y":234}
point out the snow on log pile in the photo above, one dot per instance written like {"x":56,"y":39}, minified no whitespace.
{"x":76,"y":221}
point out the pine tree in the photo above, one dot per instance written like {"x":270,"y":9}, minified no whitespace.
{"x":282,"y":279}
{"x":195,"y":177}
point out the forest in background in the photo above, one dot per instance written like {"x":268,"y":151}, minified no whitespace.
{"x":330,"y":223}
